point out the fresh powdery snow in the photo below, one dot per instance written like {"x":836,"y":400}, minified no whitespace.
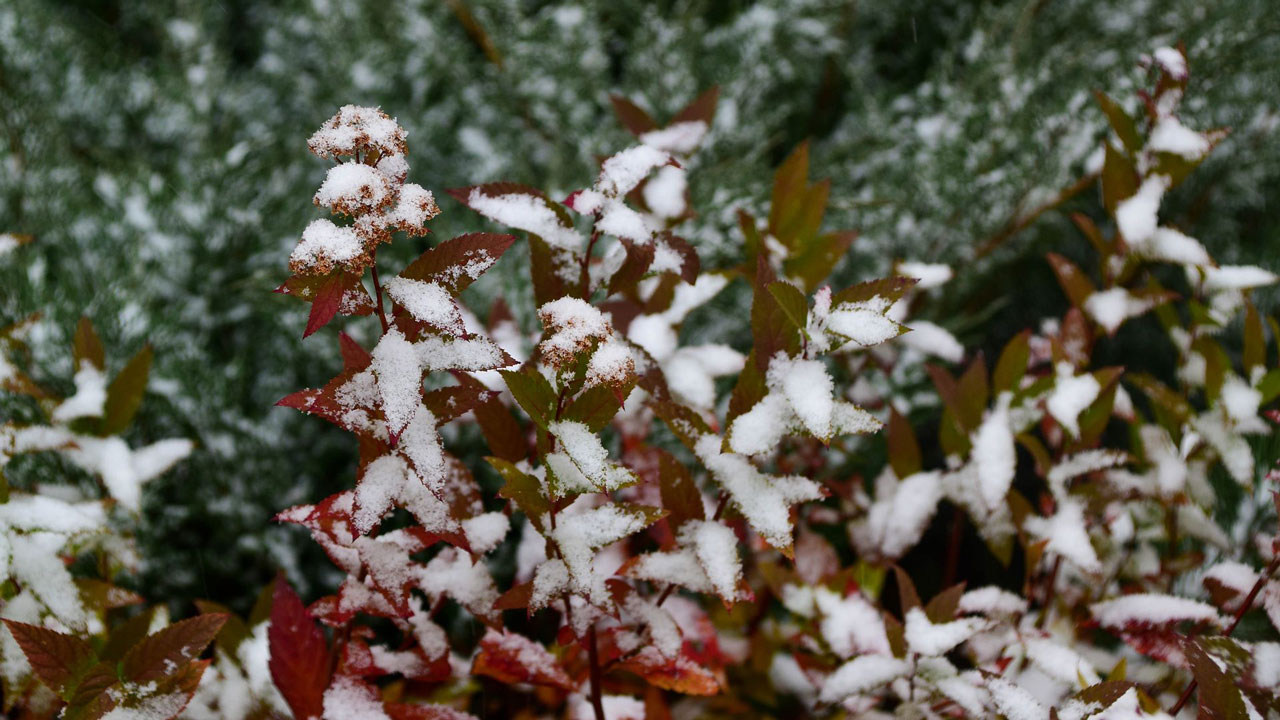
{"x":994,"y":457}
{"x":611,"y":364}
{"x":1237,"y":277}
{"x":398,"y":370}
{"x":1066,"y":534}
{"x":571,"y":324}
{"x":530,"y":213}
{"x":863,"y":322}
{"x":928,"y":275}
{"x":324,"y":245}
{"x":1152,"y":609}
{"x":1136,"y":216}
{"x":861,"y":674}
{"x":850,"y":624}
{"x":90,"y":395}
{"x":716,"y":547}
{"x":764,"y":500}
{"x":428,"y":302}
{"x":935,"y":639}
{"x":623,"y":171}
{"x":1110,"y":308}
{"x":992,"y":601}
{"x":931,"y":339}
{"x":1173,"y":246}
{"x":1071,"y":395}
{"x":348,"y":697}
{"x":578,"y":536}
{"x":353,"y":188}
{"x":1172,"y":61}
{"x":583,"y":447}
{"x":679,"y":138}
{"x":1015,"y":703}
{"x":1171,"y":136}
{"x":897,"y":519}
{"x":664,"y":194}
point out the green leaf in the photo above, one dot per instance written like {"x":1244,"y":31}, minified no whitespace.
{"x":1074,"y":283}
{"x":1255,"y":341}
{"x":891,"y":289}
{"x":972,"y":393}
{"x":1217,"y":694}
{"x":1126,"y":129}
{"x":1160,"y":394}
{"x":680,"y":495}
{"x":685,"y":423}
{"x":1269,"y":386}
{"x":792,"y":303}
{"x":596,"y":406}
{"x":1012,"y":365}
{"x":87,"y":346}
{"x":124,"y":395}
{"x":1119,"y":179}
{"x":904,"y":450}
{"x":533,"y":393}
{"x":524,"y":490}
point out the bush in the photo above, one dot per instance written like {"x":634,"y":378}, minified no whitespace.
{"x":656,"y":507}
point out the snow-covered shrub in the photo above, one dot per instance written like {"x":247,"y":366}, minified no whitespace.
{"x":685,"y":545}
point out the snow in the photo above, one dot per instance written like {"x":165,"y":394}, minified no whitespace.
{"x":1172,"y":61}
{"x":530,"y":213}
{"x":323,"y":246}
{"x":662,"y":627}
{"x":1266,"y":664}
{"x":90,"y":395}
{"x":474,"y":353}
{"x":897,"y":519}
{"x":37,"y":566}
{"x":578,"y":536}
{"x":428,"y":302}
{"x":934,"y":639}
{"x":1060,"y":662}
{"x":550,"y":581}
{"x":993,"y":456}
{"x":415,"y":206}
{"x":155,"y":707}
{"x":1136,"y":216}
{"x":1234,"y":575}
{"x":1171,"y":136}
{"x":622,"y":172}
{"x":354,"y":128}
{"x":1110,"y":308}
{"x":850,"y":624}
{"x":992,"y":600}
{"x":808,"y":389}
{"x":1066,"y":533}
{"x":1083,"y":462}
{"x":687,"y":297}
{"x":764,"y":500}
{"x":654,"y":334}
{"x":621,"y":221}
{"x":8,"y":243}
{"x":759,"y":430}
{"x":616,"y":707}
{"x":348,"y":697}
{"x":583,"y":447}
{"x":376,"y":490}
{"x":1152,"y":609}
{"x":570,"y":325}
{"x":124,"y":470}
{"x":1241,"y":402}
{"x":453,"y":573}
{"x":863,"y":322}
{"x":610,"y":364}
{"x":664,"y":194}
{"x":679,"y":138}
{"x":1173,"y":246}
{"x":1169,"y":467}
{"x":929,"y":275}
{"x":486,"y":532}
{"x":861,"y":674}
{"x":1237,"y":277}
{"x":354,"y":189}
{"x":1071,"y":395}
{"x":420,"y":443}
{"x":716,"y":547}
{"x":679,"y":567}
{"x":690,"y":372}
{"x":398,"y":370}
{"x":1015,"y":703}
{"x":930,"y":339}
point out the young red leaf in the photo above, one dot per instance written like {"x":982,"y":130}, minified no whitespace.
{"x":513,"y":658}
{"x":58,"y":660}
{"x":300,"y":660}
{"x":813,"y":261}
{"x":1119,"y":178}
{"x":157,"y":654}
{"x":1012,"y":364}
{"x":328,"y":301}
{"x":679,"y":674}
{"x":907,"y":595}
{"x":404,"y":711}
{"x":703,"y":108}
{"x":632,"y":116}
{"x":1074,"y":282}
{"x":455,"y":264}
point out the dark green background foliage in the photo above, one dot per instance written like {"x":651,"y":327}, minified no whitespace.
{"x":157,"y":152}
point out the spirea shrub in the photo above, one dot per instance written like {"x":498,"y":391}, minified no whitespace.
{"x":661,"y":525}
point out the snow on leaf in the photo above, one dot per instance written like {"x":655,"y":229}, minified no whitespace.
{"x":513,"y":658}
{"x":935,"y":639}
{"x":522,"y":208}
{"x":764,"y":500}
{"x":860,"y":675}
{"x":897,"y":519}
{"x":579,"y":536}
{"x":1014,"y":702}
{"x":398,"y":370}
{"x":1067,"y":534}
{"x":679,"y":674}
{"x":56,"y":658}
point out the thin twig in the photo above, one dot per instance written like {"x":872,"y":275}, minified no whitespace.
{"x":377,"y":291}
{"x":1244,"y":608}
{"x":593,"y":656}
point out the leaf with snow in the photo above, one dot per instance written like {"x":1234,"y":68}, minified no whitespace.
{"x":764,"y":500}
{"x":522,"y":208}
{"x":862,"y":675}
{"x":513,"y":658}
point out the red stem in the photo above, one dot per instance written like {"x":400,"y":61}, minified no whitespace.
{"x":1244,"y":608}
{"x":585,"y":275}
{"x":377,"y":291}
{"x":593,"y":656}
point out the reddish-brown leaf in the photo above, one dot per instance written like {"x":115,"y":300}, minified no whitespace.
{"x":632,"y":116}
{"x":513,"y":658}
{"x":455,"y":264}
{"x":57,"y":659}
{"x":680,"y":495}
{"x":904,"y":449}
{"x":679,"y":674}
{"x":157,"y":654}
{"x":405,"y":711}
{"x":328,"y":301}
{"x":86,"y":345}
{"x":300,"y":659}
